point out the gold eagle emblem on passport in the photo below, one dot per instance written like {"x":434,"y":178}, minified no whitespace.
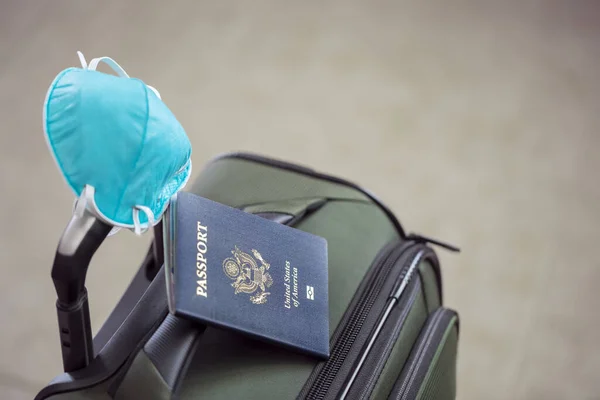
{"x":247,"y":275}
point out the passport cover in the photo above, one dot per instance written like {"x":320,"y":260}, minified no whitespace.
{"x":239,"y":271}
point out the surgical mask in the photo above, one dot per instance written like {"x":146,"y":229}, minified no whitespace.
{"x":118,"y":146}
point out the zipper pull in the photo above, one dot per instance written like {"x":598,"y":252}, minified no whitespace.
{"x":424,"y":239}
{"x":403,"y":282}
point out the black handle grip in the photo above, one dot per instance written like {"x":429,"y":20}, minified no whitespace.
{"x":75,"y":334}
{"x":79,"y":242}
{"x":82,"y":237}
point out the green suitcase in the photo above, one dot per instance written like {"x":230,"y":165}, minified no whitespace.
{"x":390,"y":336}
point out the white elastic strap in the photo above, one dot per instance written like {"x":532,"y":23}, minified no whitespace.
{"x":110,"y":62}
{"x":81,"y":203}
{"x":155,"y":91}
{"x":93,"y":65}
{"x":137,"y":225}
{"x":82,"y":60}
{"x":79,"y":206}
{"x":114,"y":231}
{"x":86,"y":201}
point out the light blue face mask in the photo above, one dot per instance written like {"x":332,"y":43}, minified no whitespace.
{"x":118,"y":146}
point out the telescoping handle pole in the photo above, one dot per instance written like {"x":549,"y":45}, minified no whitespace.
{"x":82,"y":237}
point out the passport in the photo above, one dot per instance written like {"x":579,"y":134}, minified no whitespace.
{"x":239,"y":271}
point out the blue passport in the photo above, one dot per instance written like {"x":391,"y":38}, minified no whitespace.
{"x":242,"y":272}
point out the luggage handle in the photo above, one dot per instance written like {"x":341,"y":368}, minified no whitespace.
{"x":286,"y":212}
{"x":82,"y":237}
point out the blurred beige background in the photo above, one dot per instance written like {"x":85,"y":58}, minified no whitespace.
{"x":477,"y":122}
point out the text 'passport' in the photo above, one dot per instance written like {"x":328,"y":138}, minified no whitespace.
{"x":240,"y":271}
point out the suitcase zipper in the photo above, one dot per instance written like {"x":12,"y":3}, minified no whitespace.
{"x":320,"y":381}
{"x":368,"y":383}
{"x":402,"y":283}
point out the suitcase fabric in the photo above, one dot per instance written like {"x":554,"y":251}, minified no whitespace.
{"x":389,"y":335}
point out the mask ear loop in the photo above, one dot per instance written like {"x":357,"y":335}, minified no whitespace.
{"x":93,"y":65}
{"x":87,"y":195}
{"x":137,"y":225}
{"x":81,"y":202}
{"x":80,"y":205}
{"x":82,"y":60}
{"x":111,"y":63}
{"x":155,"y":91}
